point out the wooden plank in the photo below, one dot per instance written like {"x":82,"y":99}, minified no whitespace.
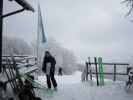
{"x":114,"y":72}
{"x":15,"y":56}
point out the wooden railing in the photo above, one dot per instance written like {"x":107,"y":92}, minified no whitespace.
{"x":114,"y":73}
{"x":13,"y":67}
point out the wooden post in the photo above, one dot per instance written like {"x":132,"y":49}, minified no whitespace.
{"x":114,"y":72}
{"x":27,"y":62}
{"x":90,"y":70}
{"x":1,"y":30}
{"x":95,"y":59}
{"x":86,"y":71}
{"x":35,"y":60}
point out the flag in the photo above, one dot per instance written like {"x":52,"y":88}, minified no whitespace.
{"x":41,"y":32}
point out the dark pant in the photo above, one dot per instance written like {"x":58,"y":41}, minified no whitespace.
{"x":51,"y":79}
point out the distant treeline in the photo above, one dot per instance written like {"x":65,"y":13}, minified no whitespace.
{"x":65,"y":58}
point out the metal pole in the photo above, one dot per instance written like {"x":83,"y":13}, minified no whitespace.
{"x":13,"y":13}
{"x":1,"y":27}
{"x":38,"y":30}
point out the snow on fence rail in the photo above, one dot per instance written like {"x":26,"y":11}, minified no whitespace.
{"x":21,"y":60}
{"x":15,"y":67}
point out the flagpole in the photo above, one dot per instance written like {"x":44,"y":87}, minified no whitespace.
{"x":38,"y":37}
{"x":40,"y":32}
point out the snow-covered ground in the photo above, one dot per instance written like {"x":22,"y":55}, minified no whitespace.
{"x":70,"y":87}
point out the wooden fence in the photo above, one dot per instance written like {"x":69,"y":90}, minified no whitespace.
{"x":114,"y":73}
{"x":13,"y":67}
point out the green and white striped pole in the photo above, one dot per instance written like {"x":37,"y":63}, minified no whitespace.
{"x":101,"y":71}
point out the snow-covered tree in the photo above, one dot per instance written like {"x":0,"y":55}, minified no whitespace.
{"x":15,"y":46}
{"x":129,"y":4}
{"x":64,"y":57}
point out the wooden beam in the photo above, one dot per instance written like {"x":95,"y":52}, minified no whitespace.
{"x":109,"y":73}
{"x":93,"y":63}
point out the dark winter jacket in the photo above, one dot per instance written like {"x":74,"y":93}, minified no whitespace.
{"x":49,"y":60}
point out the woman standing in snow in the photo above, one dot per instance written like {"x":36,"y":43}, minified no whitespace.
{"x":48,"y":68}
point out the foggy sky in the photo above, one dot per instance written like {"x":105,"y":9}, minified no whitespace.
{"x":87,"y":27}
